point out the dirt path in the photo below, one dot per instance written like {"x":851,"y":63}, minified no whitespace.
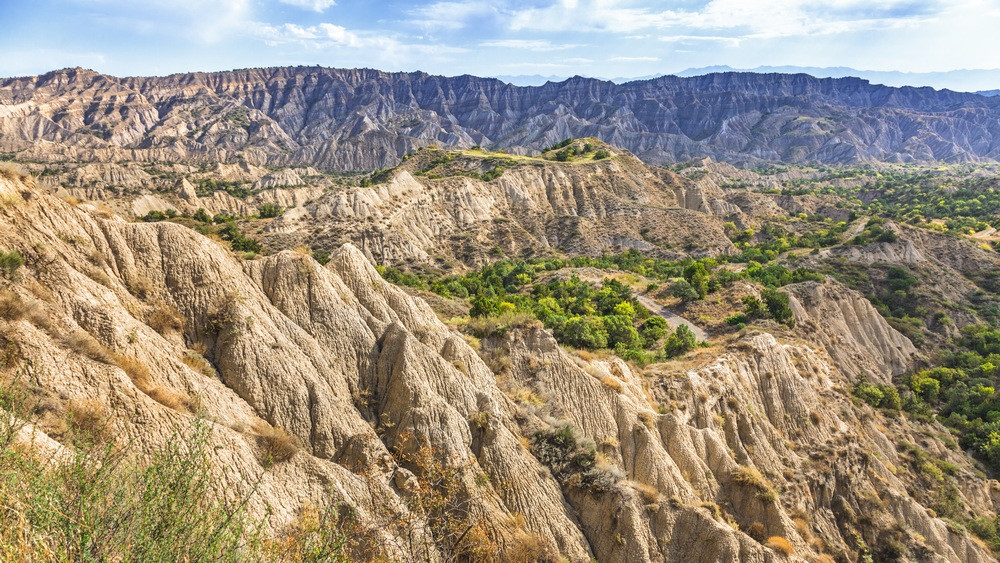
{"x":673,"y":319}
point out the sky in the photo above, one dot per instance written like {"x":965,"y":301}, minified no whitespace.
{"x":601,"y":38}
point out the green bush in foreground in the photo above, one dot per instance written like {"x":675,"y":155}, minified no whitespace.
{"x":103,"y":505}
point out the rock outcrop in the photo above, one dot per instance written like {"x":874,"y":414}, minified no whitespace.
{"x":858,"y":339}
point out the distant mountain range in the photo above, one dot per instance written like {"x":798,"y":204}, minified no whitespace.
{"x":354,"y":119}
{"x":958,"y":80}
{"x":983,"y":81}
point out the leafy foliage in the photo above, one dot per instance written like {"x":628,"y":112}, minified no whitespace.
{"x":680,"y":342}
{"x":962,"y":390}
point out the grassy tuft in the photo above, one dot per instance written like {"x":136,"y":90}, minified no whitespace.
{"x":752,"y":477}
{"x":780,"y":544}
{"x":165,"y":319}
{"x":276,"y":445}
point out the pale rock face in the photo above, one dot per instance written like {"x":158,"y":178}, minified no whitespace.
{"x":857,"y":338}
{"x":590,"y":208}
{"x":353,"y":366}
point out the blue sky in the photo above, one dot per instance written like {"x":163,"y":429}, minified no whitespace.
{"x":607,"y":38}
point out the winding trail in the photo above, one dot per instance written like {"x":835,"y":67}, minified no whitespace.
{"x":673,"y":319}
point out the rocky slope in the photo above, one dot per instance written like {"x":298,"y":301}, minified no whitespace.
{"x":441,"y":208}
{"x":709,"y":459}
{"x":365,"y":119}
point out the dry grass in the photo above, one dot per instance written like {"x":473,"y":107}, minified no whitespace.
{"x":89,"y":419}
{"x":197,"y":362}
{"x":609,"y":442}
{"x":780,"y":544}
{"x":590,"y":355}
{"x":12,"y":307}
{"x":752,"y":477}
{"x":165,"y":319}
{"x":10,"y":354}
{"x":140,"y":286}
{"x":85,"y":344}
{"x":14,"y":172}
{"x":137,"y":371}
{"x":526,"y":547}
{"x":648,"y":418}
{"x":489,"y":326}
{"x":98,"y":276}
{"x":525,"y":396}
{"x":612,"y":383}
{"x":276,"y":445}
{"x":96,"y":258}
{"x":802,"y":527}
{"x":498,"y":361}
{"x":648,"y":493}
{"x":179,"y":402}
{"x":140,"y":375}
{"x":757,"y":531}
{"x":103,"y":211}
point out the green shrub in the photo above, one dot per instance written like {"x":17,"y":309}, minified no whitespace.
{"x":621,"y":332}
{"x":583,"y":332}
{"x":879,"y":395}
{"x":680,"y":342}
{"x":237,"y":240}
{"x":683,"y":290}
{"x":738,"y":320}
{"x":268,"y":211}
{"x":202,"y":216}
{"x":571,"y":458}
{"x":10,"y":262}
{"x":778,"y":306}
{"x":154,"y":216}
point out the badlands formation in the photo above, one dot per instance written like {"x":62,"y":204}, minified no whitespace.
{"x":325,"y":385}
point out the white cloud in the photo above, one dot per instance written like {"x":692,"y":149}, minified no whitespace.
{"x":635,"y":59}
{"x":689,"y":39}
{"x":745,"y":19}
{"x":451,"y":15}
{"x":369,"y":48}
{"x":318,"y":6}
{"x":539,"y":45}
{"x":317,"y":36}
{"x":207,"y":22}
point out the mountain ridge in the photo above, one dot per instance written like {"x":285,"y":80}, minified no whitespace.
{"x":353,"y":119}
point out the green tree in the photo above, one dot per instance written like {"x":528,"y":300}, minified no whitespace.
{"x":697,"y":275}
{"x":583,"y":332}
{"x":778,"y":306}
{"x":680,"y":342}
{"x":621,"y":332}
{"x":653,"y":330}
{"x":683,"y":290}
